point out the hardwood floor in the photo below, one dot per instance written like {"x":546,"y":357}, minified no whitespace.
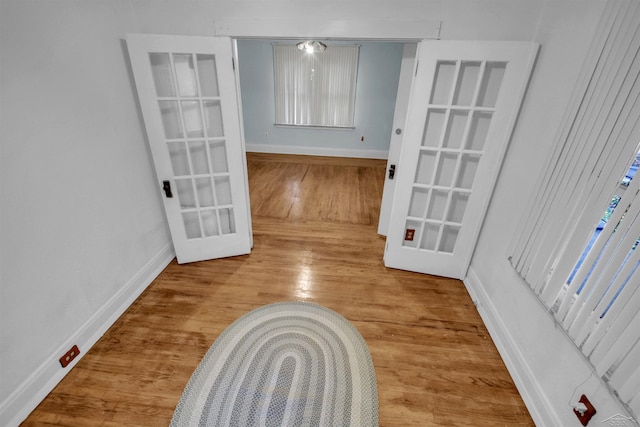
{"x":314,"y":224}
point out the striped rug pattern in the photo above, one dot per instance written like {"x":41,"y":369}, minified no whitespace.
{"x":283,"y":364}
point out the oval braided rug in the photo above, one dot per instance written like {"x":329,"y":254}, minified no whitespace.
{"x":283,"y":364}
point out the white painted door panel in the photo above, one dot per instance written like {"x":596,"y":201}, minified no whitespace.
{"x":464,"y":102}
{"x":187,"y":92}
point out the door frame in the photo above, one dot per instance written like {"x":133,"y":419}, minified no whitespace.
{"x":410,"y":33}
{"x":407,"y":68}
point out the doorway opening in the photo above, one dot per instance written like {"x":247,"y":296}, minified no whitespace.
{"x":382,"y":97}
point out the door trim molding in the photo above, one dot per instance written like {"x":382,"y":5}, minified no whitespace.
{"x":280,"y":28}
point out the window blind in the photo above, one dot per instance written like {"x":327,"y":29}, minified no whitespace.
{"x":599,"y":135}
{"x":316,"y":89}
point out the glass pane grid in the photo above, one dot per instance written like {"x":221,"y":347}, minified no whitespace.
{"x":446,"y":169}
{"x":446,"y":74}
{"x":162,"y":75}
{"x":184,"y":69}
{"x":432,"y":236}
{"x":190,"y":105}
{"x":466,"y":90}
{"x":208,"y":222}
{"x":491,"y":83}
{"x":199,"y":116}
{"x":207,"y":74}
{"x":434,"y":126}
{"x":461,"y":107}
{"x":467,"y":84}
{"x":447,"y":238}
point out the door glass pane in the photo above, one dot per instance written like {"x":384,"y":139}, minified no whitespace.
{"x":446,"y":169}
{"x":429,"y":236}
{"x":468,"y":168}
{"x":426,"y":162}
{"x":218,"y":153}
{"x":185,"y":193}
{"x":457,"y":207}
{"x":227,"y":225}
{"x":491,"y":82}
{"x":437,"y":204}
{"x":433,"y":128}
{"x":448,"y":239}
{"x":162,"y":76}
{"x":170,"y":119}
{"x":418,"y":202}
{"x":191,"y":224}
{"x":186,"y":74}
{"x":179,"y":160}
{"x":455,"y":129}
{"x":213,"y":118}
{"x":209,"y":223}
{"x":198,"y":152}
{"x":478,"y":131}
{"x":208,"y":75}
{"x":467,"y":81}
{"x":415,"y":226}
{"x":192,"y":119}
{"x":205,"y":192}
{"x":223,"y":190}
{"x":443,"y":81}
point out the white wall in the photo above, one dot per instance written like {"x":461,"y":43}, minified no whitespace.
{"x":377,"y":85}
{"x":82,"y":228}
{"x":546,"y":365}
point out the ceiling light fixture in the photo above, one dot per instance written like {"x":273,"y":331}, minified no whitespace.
{"x":311,"y":46}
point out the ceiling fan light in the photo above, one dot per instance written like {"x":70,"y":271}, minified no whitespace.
{"x":311,"y":46}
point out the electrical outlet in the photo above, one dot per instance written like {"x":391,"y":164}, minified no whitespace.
{"x":585,"y":416}
{"x":69,"y":356}
{"x":408,"y":234}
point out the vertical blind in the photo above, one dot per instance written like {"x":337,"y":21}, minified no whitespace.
{"x":317,"y":89}
{"x":600,"y":307}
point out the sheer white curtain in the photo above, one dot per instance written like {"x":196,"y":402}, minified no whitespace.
{"x":317,"y":89}
{"x":600,"y":307}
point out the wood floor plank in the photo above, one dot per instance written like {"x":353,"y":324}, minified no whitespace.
{"x":314,"y":221}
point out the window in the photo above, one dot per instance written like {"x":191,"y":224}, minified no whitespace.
{"x":315,"y":89}
{"x":590,"y":280}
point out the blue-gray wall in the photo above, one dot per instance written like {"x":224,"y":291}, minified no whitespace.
{"x":378,"y":74}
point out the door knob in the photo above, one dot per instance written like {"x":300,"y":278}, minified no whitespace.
{"x":166,"y":186}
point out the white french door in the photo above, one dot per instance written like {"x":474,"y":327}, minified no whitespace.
{"x":188,"y":96}
{"x":465,"y":98}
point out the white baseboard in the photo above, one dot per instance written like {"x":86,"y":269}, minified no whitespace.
{"x":542,"y":412}
{"x":40,"y":383}
{"x":318,"y":151}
